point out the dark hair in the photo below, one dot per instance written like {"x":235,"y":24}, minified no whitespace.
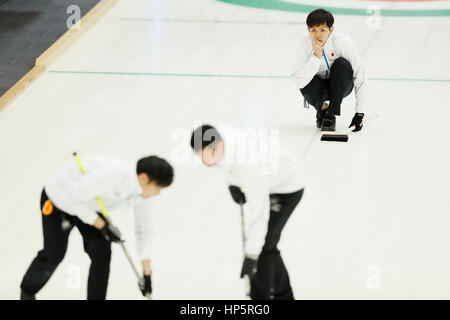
{"x":204,"y":136}
{"x":157,"y":169}
{"x":318,"y":17}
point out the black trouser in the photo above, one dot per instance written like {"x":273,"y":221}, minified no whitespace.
{"x":271,"y":281}
{"x":55,"y":246}
{"x":334,"y":89}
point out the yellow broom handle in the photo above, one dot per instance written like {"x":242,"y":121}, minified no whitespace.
{"x":99,"y":201}
{"x":105,"y":215}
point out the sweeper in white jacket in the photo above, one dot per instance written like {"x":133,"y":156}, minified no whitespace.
{"x":266,"y":177}
{"x":69,"y":199}
{"x":329,"y":67}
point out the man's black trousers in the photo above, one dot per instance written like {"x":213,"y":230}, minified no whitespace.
{"x":271,"y":281}
{"x":55,"y":246}
{"x":333,"y":89}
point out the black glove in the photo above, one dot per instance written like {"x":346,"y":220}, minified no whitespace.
{"x":237,"y":194}
{"x":357,"y":121}
{"x":249,"y":267}
{"x":145,"y":284}
{"x":111,"y":233}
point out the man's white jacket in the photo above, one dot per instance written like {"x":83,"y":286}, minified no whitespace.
{"x":260,"y":166}
{"x":114,"y":181}
{"x":337,"y":45}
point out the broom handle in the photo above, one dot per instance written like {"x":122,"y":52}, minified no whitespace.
{"x":246,"y":278}
{"x":105,"y":215}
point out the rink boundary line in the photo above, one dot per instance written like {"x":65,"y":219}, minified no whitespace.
{"x":71,"y":35}
{"x":56,"y":49}
{"x":205,"y":75}
{"x":212,"y":21}
{"x":158,"y":74}
{"x":409,"y":79}
{"x":280,"y":5}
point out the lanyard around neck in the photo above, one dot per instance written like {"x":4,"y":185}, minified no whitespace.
{"x":326,"y":61}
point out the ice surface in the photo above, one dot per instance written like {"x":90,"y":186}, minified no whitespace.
{"x":375,"y":208}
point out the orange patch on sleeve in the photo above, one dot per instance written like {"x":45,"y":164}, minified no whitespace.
{"x":47,"y":209}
